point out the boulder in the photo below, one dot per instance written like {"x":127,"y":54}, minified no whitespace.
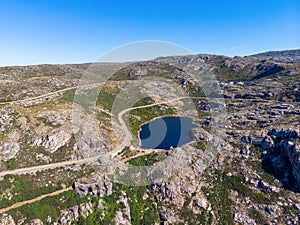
{"x":6,"y":219}
{"x":9,"y":150}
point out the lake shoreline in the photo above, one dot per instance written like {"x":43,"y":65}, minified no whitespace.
{"x":169,"y":117}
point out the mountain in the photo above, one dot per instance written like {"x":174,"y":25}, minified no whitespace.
{"x":288,"y":56}
{"x":67,"y":142}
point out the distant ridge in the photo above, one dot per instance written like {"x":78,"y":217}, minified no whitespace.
{"x":287,"y":56}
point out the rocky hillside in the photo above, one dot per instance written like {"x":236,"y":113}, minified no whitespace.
{"x":290,"y":56}
{"x":243,"y":166}
{"x":265,"y":65}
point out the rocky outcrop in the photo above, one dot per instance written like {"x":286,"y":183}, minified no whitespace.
{"x":243,"y":219}
{"x":54,"y":118}
{"x":6,"y":219}
{"x":9,"y":151}
{"x":122,"y":216}
{"x":98,"y":186}
{"x":186,"y":195}
{"x":55,"y":139}
{"x":72,"y":214}
{"x":36,"y":222}
{"x":283,"y":148}
{"x":6,"y":118}
{"x":289,"y":56}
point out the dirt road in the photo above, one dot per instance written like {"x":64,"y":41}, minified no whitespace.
{"x":19,"y":204}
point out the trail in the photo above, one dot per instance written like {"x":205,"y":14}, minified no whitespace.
{"x":35,"y":169}
{"x":126,"y":142}
{"x":50,"y":94}
{"x":20,"y":204}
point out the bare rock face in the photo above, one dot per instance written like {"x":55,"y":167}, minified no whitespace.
{"x":280,"y":56}
{"x":120,"y":220}
{"x":98,"y":186}
{"x":123,"y":216}
{"x":54,"y":118}
{"x":6,"y":118}
{"x":9,"y":150}
{"x":69,"y":216}
{"x":177,"y":190}
{"x":91,"y":141}
{"x":284,"y":154}
{"x":243,"y":219}
{"x":55,"y":139}
{"x":36,"y":222}
{"x":6,"y":219}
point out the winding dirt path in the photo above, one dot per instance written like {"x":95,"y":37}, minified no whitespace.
{"x":35,"y":169}
{"x":114,"y":153}
{"x":50,"y":94}
{"x":19,"y":204}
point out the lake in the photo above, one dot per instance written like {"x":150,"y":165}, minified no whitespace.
{"x":166,"y":132}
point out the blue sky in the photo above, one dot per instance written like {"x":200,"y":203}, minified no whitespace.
{"x":70,"y":31}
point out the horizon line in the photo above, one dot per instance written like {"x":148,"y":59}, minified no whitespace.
{"x":130,"y":61}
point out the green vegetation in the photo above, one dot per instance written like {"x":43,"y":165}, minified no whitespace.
{"x":107,"y":97}
{"x":69,"y":95}
{"x":50,"y":206}
{"x":237,"y":183}
{"x":257,"y":166}
{"x":93,"y":218}
{"x":202,"y":145}
{"x":142,"y":211}
{"x":257,"y":216}
{"x":111,"y":206}
{"x":144,"y":101}
{"x":127,"y":152}
{"x":145,"y":160}
{"x":47,"y":123}
{"x":105,"y":119}
{"x":218,"y":194}
{"x":143,"y":207}
{"x":187,"y":214}
{"x":27,"y":154}
{"x":18,"y":188}
{"x":227,"y":73}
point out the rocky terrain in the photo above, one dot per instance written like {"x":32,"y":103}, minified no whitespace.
{"x":243,"y":166}
{"x":290,"y":56}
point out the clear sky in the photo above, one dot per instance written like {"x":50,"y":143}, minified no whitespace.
{"x":70,"y":31}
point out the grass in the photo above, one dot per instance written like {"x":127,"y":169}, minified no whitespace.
{"x":237,"y":183}
{"x":145,"y":160}
{"x":105,"y":98}
{"x":20,"y":187}
{"x":69,"y":95}
{"x":49,"y":206}
{"x":144,"y":101}
{"x":27,"y":154}
{"x":127,"y":152}
{"x":257,"y":166}
{"x":142,"y":210}
{"x":257,"y":216}
{"x":218,"y":195}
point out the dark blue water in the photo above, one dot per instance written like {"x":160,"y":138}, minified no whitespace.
{"x":166,"y":132}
